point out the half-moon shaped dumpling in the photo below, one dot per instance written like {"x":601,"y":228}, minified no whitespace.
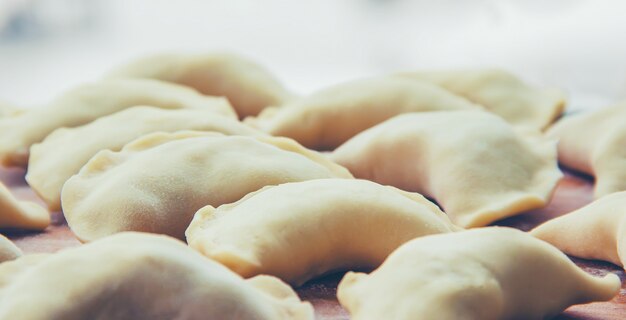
{"x":596,"y":231}
{"x":66,"y":150}
{"x":91,"y":101}
{"x":298,"y":231}
{"x":139,"y":276}
{"x":473,"y":163}
{"x":501,"y":93}
{"x":326,"y":119}
{"x":249,"y":87}
{"x":8,"y":250}
{"x":21,"y":214}
{"x":595,"y":143}
{"x":157,"y":183}
{"x":483,"y":274}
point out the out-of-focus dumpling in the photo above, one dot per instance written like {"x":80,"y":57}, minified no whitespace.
{"x":595,"y":143}
{"x":16,"y":214}
{"x":66,"y":150}
{"x":249,"y":87}
{"x":483,"y":274}
{"x":473,"y":163}
{"x":157,"y":183}
{"x":298,"y":231}
{"x":8,"y":250}
{"x":595,"y":231}
{"x":501,"y":93}
{"x":89,"y":102}
{"x":326,"y":119}
{"x":139,"y":276}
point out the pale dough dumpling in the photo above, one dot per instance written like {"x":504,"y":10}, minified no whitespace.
{"x":89,"y":102}
{"x":249,"y":87}
{"x":326,"y":119}
{"x":16,"y":214}
{"x":157,"y":183}
{"x":139,"y":276}
{"x":595,"y":143}
{"x":501,"y":93}
{"x":473,"y":163}
{"x":596,"y":231}
{"x":8,"y":250}
{"x":66,"y":150}
{"x":298,"y":231}
{"x":483,"y":274}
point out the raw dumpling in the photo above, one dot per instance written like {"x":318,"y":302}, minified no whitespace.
{"x":8,"y":250}
{"x":483,"y":274}
{"x":91,"y":101}
{"x":298,"y":231}
{"x":21,"y":214}
{"x":501,"y":93}
{"x":249,"y":87}
{"x":328,"y":118}
{"x":66,"y":150}
{"x":596,"y":231}
{"x":474,"y":164}
{"x":157,"y":183}
{"x":139,"y":276}
{"x":595,"y":143}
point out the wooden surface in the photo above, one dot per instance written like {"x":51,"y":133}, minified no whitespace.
{"x":573,"y":192}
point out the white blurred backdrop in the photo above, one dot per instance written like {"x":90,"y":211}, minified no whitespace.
{"x":47,"y":46}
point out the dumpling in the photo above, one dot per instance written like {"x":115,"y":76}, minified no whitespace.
{"x":474,"y":164}
{"x":326,"y":119}
{"x":298,"y":231}
{"x":8,"y":250}
{"x":501,"y":93}
{"x":66,"y":150}
{"x":249,"y":87}
{"x":594,"y":143}
{"x":139,"y":276}
{"x":91,"y":101}
{"x":7,"y":110}
{"x":483,"y":274}
{"x":596,"y":231}
{"x":16,"y":214}
{"x":157,"y":183}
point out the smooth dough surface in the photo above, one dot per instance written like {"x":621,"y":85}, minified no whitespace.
{"x":298,"y":231}
{"x":595,"y":231}
{"x":8,"y":250}
{"x":157,"y":183}
{"x":502,"y":93}
{"x":66,"y":150}
{"x":139,"y":276}
{"x":473,"y":163}
{"x":483,"y":274}
{"x":595,"y":143}
{"x":249,"y":87}
{"x":17,"y":214}
{"x":326,"y":119}
{"x":89,"y":102}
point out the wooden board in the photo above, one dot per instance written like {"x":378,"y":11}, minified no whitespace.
{"x":573,"y":192}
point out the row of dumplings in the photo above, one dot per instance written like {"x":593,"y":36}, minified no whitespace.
{"x":142,"y":151}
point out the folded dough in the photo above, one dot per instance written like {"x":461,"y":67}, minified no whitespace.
{"x":139,"y":276}
{"x":21,"y":214}
{"x":8,"y":250}
{"x":298,"y":231}
{"x":593,"y":143}
{"x":596,"y":231}
{"x":91,"y":101}
{"x":156,"y":183}
{"x":483,"y":274}
{"x":66,"y":150}
{"x":474,"y":164}
{"x":501,"y":93}
{"x":249,"y":87}
{"x":326,"y":119}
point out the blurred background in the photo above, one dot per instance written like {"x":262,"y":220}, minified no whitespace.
{"x":47,"y":46}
